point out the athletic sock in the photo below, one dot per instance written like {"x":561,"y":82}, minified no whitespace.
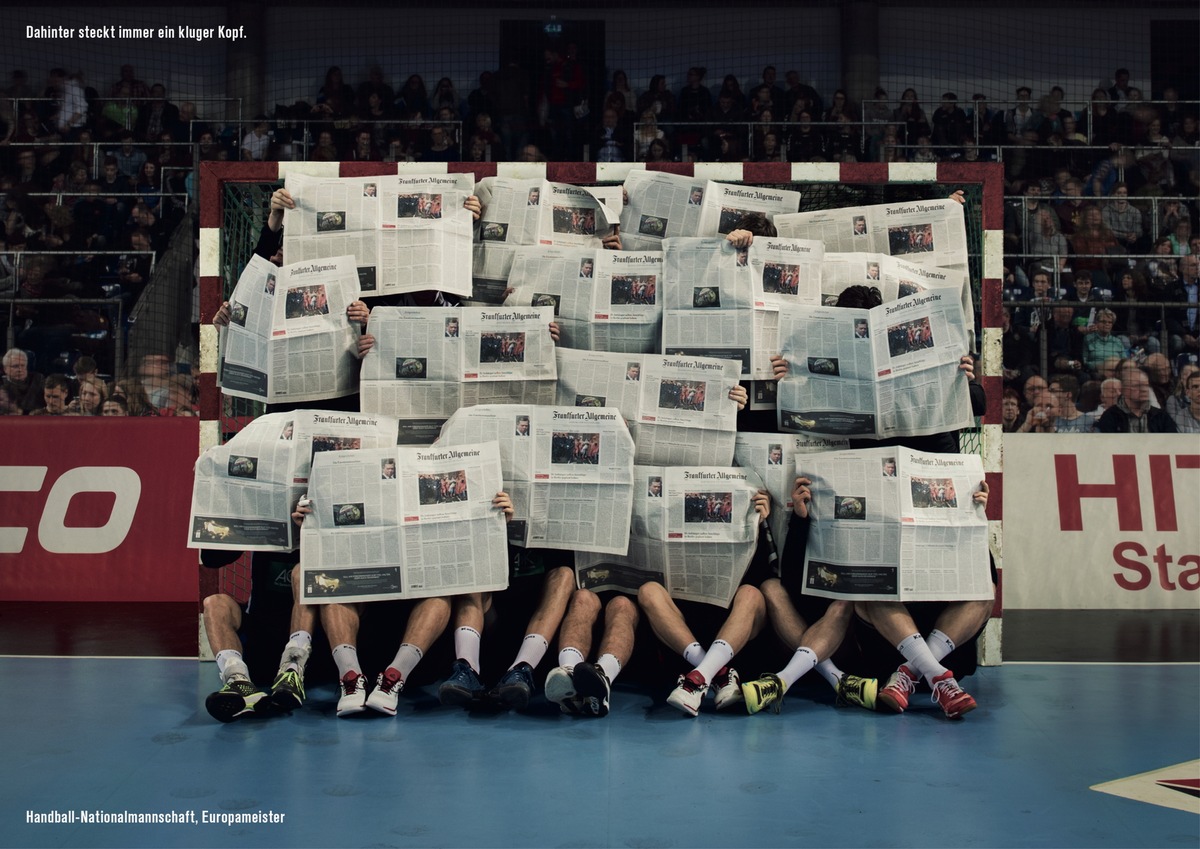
{"x":829,"y":671}
{"x":610,"y":665}
{"x":694,"y":654}
{"x":466,"y":645}
{"x":346,"y":658}
{"x":920,"y":659}
{"x":296,"y":652}
{"x":803,"y":660}
{"x":533,"y":649}
{"x":570,"y":656}
{"x":230,"y":663}
{"x":406,"y":659}
{"x":301,"y":640}
{"x":718,"y":656}
{"x":939,"y":644}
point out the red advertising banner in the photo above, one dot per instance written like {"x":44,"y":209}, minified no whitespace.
{"x":96,"y":509}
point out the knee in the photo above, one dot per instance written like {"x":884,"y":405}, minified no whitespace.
{"x":772,"y":590}
{"x":751,"y":598}
{"x":220,"y":607}
{"x":586,"y":601}
{"x":651,"y":594}
{"x":622,"y":606}
{"x":561,"y":578}
{"x":840,"y":611}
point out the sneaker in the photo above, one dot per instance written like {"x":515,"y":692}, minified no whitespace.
{"x":593,"y":689}
{"x":688,"y":693}
{"x":950,"y":697}
{"x":853,"y":690}
{"x":764,"y":692}
{"x":354,"y":694}
{"x":515,"y":688}
{"x":728,"y":686}
{"x":462,"y":687}
{"x":287,"y":693}
{"x":895,"y":693}
{"x":386,"y":695}
{"x":560,"y":689}
{"x":235,"y":700}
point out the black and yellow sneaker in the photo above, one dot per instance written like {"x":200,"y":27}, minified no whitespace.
{"x":853,"y":690}
{"x":287,"y":693}
{"x":233,"y":701}
{"x":763,"y":692}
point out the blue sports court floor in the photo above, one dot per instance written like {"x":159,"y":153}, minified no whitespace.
{"x":116,"y":734}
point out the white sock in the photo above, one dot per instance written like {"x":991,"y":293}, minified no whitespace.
{"x":693,"y":654}
{"x":610,"y":665}
{"x":407,"y":657}
{"x":718,"y":655}
{"x":570,"y":656}
{"x":533,"y":649}
{"x":346,"y":658}
{"x":830,"y":672}
{"x":466,"y":645}
{"x":803,"y":660}
{"x":920,"y":659}
{"x":939,"y":644}
{"x":230,"y":663}
{"x":296,"y":652}
{"x":300,"y":640}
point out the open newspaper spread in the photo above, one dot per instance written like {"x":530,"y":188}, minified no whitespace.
{"x":288,"y":337}
{"x":569,"y":471}
{"x":603,"y":300}
{"x":893,"y":524}
{"x":694,"y":531}
{"x":402,"y":522}
{"x":429,"y":362}
{"x":888,"y":371}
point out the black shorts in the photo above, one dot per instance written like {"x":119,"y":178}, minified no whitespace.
{"x":264,"y":632}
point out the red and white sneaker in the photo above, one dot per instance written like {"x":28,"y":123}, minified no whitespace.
{"x":386,"y":694}
{"x":950,"y":697}
{"x":688,"y":695}
{"x":353,"y":687}
{"x":727,"y":684}
{"x":894,"y":695}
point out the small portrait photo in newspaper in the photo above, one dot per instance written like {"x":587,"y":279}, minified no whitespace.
{"x":387,"y":469}
{"x":452,"y":327}
{"x":654,"y":487}
{"x":522,"y":426}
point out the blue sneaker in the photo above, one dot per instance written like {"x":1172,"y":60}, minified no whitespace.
{"x":462,"y":687}
{"x":515,"y":688}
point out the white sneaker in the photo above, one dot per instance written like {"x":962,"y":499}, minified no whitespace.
{"x":560,"y":686}
{"x":688,"y":695}
{"x":386,"y":694}
{"x":728,"y":685}
{"x":354,"y":694}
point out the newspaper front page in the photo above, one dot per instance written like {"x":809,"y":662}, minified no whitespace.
{"x":425,"y":234}
{"x":778,"y":458}
{"x":678,"y":408}
{"x":569,"y":471}
{"x":243,"y":491}
{"x":694,"y":531}
{"x":335,"y":216}
{"x":288,"y":337}
{"x":429,"y":362}
{"x":318,"y":431}
{"x":399,"y":522}
{"x":893,"y":524}
{"x":888,"y":371}
{"x":725,"y":204}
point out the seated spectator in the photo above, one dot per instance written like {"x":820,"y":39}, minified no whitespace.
{"x":804,"y":143}
{"x":8,"y":402}
{"x":149,"y":185}
{"x":1160,"y":271}
{"x":440,"y":148}
{"x":129,"y":158}
{"x":444,"y":95}
{"x":55,"y":393}
{"x":324,"y":150}
{"x":115,"y":406}
{"x":256,"y":143}
{"x":950,"y":125}
{"x":769,"y":149}
{"x":1099,"y":344}
{"x":1087,"y":296}
{"x":1185,"y":156}
{"x":1042,"y":414}
{"x":1110,"y":391}
{"x":1070,"y":210}
{"x":1158,"y":369}
{"x":1154,"y":162}
{"x":1123,"y":219}
{"x":610,"y":144}
{"x":1018,"y":351}
{"x":620,"y":88}
{"x":413,"y":97}
{"x":1132,"y":412}
{"x":157,"y":115}
{"x":1180,"y":398}
{"x":1064,"y":346}
{"x":1187,"y":418}
{"x":23,"y":385}
{"x":1047,"y":245}
{"x":1183,"y":323}
{"x":910,"y":118}
{"x":1010,"y":411}
{"x":646,"y":131}
{"x":658,"y":151}
{"x":131,"y":391}
{"x":93,"y":392}
{"x":1070,"y":418}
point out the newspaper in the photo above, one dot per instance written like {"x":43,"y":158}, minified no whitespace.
{"x":603,"y":300}
{"x":335,"y":216}
{"x":893,"y":524}
{"x":288,"y":337}
{"x":894,"y":278}
{"x":429,"y":362}
{"x":678,"y":408}
{"x":425,"y":234}
{"x":694,"y":531}
{"x":666,"y":206}
{"x":317,"y":431}
{"x":569,"y":472}
{"x":403,"y":523}
{"x":243,"y":491}
{"x":775,"y":458}
{"x":534,"y":212}
{"x":719,"y":301}
{"x":889,"y":371}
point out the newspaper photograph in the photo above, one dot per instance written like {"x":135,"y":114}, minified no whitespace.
{"x":930,"y":232}
{"x":893,"y":524}
{"x":425,"y":235}
{"x":398,"y":522}
{"x":429,"y":362}
{"x":288,"y":338}
{"x":244,"y":491}
{"x":888,"y":371}
{"x":778,"y":458}
{"x":569,"y":471}
{"x":725,"y":204}
{"x":335,"y":216}
{"x":694,"y":531}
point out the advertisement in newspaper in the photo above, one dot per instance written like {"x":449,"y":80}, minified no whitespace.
{"x":400,"y":522}
{"x":893,"y":524}
{"x":888,"y":371}
{"x":429,"y":362}
{"x":288,"y":337}
{"x":425,"y":234}
{"x":569,"y":471}
{"x":778,"y":458}
{"x":694,"y":531}
{"x":244,"y":491}
{"x":335,"y":216}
